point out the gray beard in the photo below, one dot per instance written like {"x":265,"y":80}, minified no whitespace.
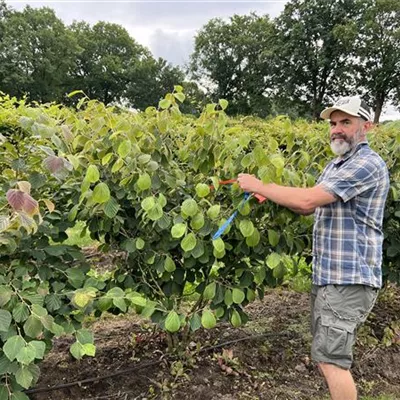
{"x":340,"y":147}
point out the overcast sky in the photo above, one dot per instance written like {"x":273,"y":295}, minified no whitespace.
{"x":167,"y":28}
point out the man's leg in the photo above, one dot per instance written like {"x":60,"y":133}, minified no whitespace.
{"x":336,"y":312}
{"x":340,"y":382}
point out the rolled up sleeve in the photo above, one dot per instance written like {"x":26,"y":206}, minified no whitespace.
{"x":352,"y":179}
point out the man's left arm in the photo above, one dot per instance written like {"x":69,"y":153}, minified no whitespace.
{"x":300,"y":200}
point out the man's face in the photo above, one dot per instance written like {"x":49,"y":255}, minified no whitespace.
{"x":346,"y":132}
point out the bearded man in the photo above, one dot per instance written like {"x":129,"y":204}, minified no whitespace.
{"x":348,"y":204}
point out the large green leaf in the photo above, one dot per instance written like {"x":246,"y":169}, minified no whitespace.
{"x":188,"y":243}
{"x":12,"y":346}
{"x":5,"y":320}
{"x":172,"y":322}
{"x":178,"y":230}
{"x":208,"y":319}
{"x":92,"y":174}
{"x":33,"y":326}
{"x":190,"y":207}
{"x":101,"y":193}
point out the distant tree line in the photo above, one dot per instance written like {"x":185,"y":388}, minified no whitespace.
{"x":313,"y":52}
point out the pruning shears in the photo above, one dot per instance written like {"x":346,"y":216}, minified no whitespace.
{"x":246,"y":197}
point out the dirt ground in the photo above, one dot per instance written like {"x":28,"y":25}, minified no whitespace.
{"x":269,"y":367}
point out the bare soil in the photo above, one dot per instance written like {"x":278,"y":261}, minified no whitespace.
{"x":270,"y":367}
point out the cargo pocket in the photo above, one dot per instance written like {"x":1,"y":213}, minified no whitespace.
{"x":339,"y":338}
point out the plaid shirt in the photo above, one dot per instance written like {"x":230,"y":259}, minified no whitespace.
{"x":347,"y":236}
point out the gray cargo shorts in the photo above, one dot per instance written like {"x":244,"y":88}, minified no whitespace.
{"x":336,"y":312}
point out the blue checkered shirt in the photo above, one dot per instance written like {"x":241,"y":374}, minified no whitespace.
{"x":347,"y":235}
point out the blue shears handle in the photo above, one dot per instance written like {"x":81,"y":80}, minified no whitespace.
{"x":229,"y":221}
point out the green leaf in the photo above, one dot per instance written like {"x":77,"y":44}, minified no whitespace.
{"x":172,"y":322}
{"x":75,"y":276}
{"x":273,"y":260}
{"x":84,"y":336}
{"x":77,"y":350}
{"x":101,"y":193}
{"x":27,"y":354}
{"x":180,"y":97}
{"x":124,"y":148}
{"x":3,"y":392}
{"x":254,"y":239}
{"x":208,"y":319}
{"x":111,"y":208}
{"x":228,"y":300}
{"x":115,"y":292}
{"x":140,"y":243}
{"x":19,"y":396}
{"x":213,"y":211}
{"x":5,"y":320}
{"x":246,"y":228}
{"x":279,"y":272}
{"x":197,"y":221}
{"x":40,"y":348}
{"x":38,"y":310}
{"x":104,"y":303}
{"x":223,"y":103}
{"x":92,"y":174}
{"x":178,"y":230}
{"x":163,"y":104}
{"x":247,"y":160}
{"x":20,"y":312}
{"x":169,"y":264}
{"x":209,"y":291}
{"x":52,"y":302}
{"x":148,"y":203}
{"x":202,"y":190}
{"x":12,"y":346}
{"x":189,"y":207}
{"x":188,"y":243}
{"x":195,"y":322}
{"x":55,"y":250}
{"x":236,"y":321}
{"x":24,"y":377}
{"x":82,"y":298}
{"x":117,"y":165}
{"x":238,"y":296}
{"x":33,"y":327}
{"x":136,"y":299}
{"x":155,"y":213}
{"x":219,"y":245}
{"x":106,"y":159}
{"x":144,"y":182}
{"x":89,"y":349}
{"x":5,"y":295}
{"x":273,"y":237}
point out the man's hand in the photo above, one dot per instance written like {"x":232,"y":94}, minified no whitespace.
{"x":249,"y":183}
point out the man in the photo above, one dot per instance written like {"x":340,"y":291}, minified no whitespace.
{"x":348,"y":202}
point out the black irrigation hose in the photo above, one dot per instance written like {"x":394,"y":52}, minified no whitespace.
{"x":149,"y":364}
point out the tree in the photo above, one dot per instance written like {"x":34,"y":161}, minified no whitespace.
{"x":149,"y":80}
{"x":316,"y":38}
{"x":36,"y":53}
{"x":378,"y":53}
{"x":232,"y":60}
{"x":108,"y":53}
